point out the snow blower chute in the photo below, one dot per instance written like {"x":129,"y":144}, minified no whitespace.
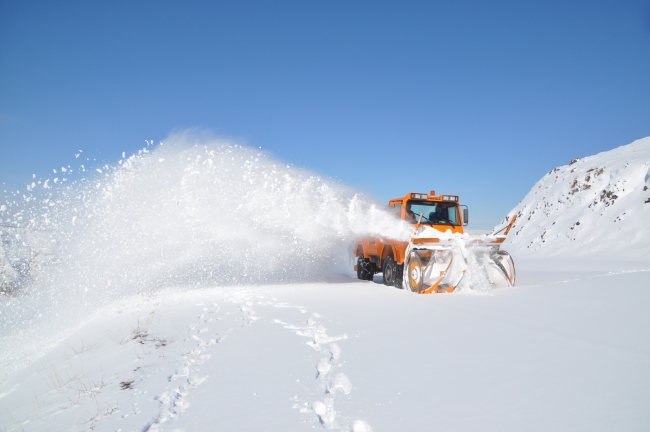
{"x":439,"y":254}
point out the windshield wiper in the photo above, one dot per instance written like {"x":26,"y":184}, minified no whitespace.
{"x":423,"y":216}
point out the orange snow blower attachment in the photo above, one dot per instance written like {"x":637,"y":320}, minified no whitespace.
{"x":439,"y":264}
{"x":440,"y":253}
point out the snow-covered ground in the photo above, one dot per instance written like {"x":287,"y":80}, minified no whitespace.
{"x":571,"y":354}
{"x":566,"y":349}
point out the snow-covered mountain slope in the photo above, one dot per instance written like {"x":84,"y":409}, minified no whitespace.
{"x":597,"y":207}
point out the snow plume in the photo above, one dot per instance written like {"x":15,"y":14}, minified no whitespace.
{"x":597,"y":207}
{"x":191,"y":212}
{"x":476,"y":277}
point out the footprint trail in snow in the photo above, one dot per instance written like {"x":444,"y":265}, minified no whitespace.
{"x":174,"y":402}
{"x":327,"y":382}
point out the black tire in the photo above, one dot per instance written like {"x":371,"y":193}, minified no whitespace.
{"x":389,"y":271}
{"x":398,"y":276}
{"x":365,"y":269}
{"x":393,"y":273}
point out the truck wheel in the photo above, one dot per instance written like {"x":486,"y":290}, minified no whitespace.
{"x":393,"y":273}
{"x":365,"y":269}
{"x":389,"y":271}
{"x":414,"y":272}
{"x":398,"y":276}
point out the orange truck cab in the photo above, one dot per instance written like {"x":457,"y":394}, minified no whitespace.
{"x":375,"y":255}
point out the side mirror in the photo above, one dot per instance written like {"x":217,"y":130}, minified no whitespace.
{"x":465,"y":216}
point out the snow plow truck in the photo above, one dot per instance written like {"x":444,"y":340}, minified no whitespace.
{"x":439,"y":254}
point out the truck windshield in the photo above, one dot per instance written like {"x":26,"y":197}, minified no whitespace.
{"x":432,"y":213}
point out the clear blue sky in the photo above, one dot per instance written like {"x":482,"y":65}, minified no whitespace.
{"x":475,"y":98}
